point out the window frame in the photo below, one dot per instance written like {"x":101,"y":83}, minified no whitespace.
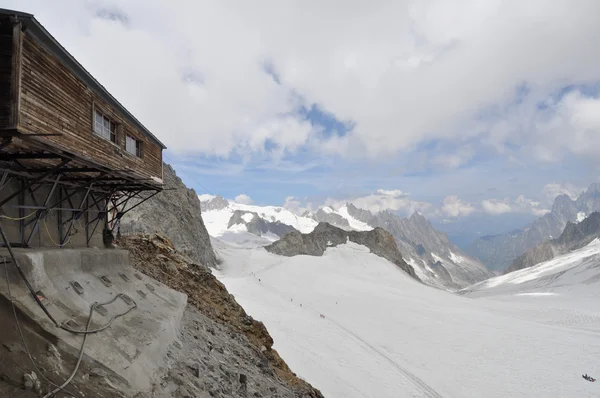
{"x":105,"y":127}
{"x":138,"y":144}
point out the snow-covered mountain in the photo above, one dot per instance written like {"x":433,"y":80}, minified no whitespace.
{"x":434,"y":258}
{"x":575,"y":236}
{"x":497,"y":252}
{"x":355,"y":325}
{"x":233,"y":221}
{"x":576,"y":273}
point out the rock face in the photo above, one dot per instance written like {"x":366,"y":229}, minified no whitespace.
{"x":422,"y":246}
{"x":175,"y":213}
{"x":216,"y":203}
{"x":575,"y":236}
{"x":499,"y":251}
{"x":220,"y":341}
{"x":331,"y":218}
{"x":325,"y":235}
{"x":257,"y":225}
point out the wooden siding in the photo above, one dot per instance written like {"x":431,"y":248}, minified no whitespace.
{"x":54,"y":100}
{"x":6,"y":51}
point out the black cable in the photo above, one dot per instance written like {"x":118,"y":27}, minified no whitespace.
{"x":31,"y":290}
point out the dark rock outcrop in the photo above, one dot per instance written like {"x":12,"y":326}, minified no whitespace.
{"x":574,"y":236}
{"x":330,"y":218}
{"x":325,"y":235}
{"x":216,"y":203}
{"x":175,"y":213}
{"x":259,"y":226}
{"x":420,"y":242}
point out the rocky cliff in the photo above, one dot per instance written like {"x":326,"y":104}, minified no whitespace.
{"x":574,"y":236}
{"x":437,"y":260}
{"x":176,"y":213}
{"x":216,"y":203}
{"x":325,"y":235}
{"x":499,"y":251}
{"x":226,"y":352}
{"x":257,"y":225}
{"x":329,"y":217}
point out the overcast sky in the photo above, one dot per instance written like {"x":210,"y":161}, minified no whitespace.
{"x":456,"y":109}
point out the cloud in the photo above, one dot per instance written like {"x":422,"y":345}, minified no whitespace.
{"x":296,"y":206}
{"x":521,"y":204}
{"x":496,"y":207}
{"x":454,"y":207}
{"x":455,"y":158}
{"x":243,"y":199}
{"x":227,"y":79}
{"x":552,"y":190}
{"x":527,"y":205}
{"x":571,"y":126}
{"x":382,"y":199}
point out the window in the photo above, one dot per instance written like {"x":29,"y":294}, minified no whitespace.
{"x":105,"y":127}
{"x":133,"y":146}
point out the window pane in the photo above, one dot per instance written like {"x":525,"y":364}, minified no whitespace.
{"x":130,"y":145}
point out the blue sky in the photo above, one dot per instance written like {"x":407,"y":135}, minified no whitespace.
{"x":458,"y":110}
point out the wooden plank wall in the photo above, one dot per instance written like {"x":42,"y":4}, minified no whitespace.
{"x":54,"y":100}
{"x":6,"y":44}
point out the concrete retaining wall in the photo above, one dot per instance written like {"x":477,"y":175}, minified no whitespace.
{"x":133,"y":349}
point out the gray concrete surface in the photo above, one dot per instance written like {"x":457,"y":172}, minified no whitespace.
{"x":134,"y":348}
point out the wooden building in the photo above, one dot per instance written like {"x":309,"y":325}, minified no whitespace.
{"x":69,"y":149}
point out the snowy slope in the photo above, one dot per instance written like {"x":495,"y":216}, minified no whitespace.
{"x":579,"y":268}
{"x":386,"y":335}
{"x":354,"y":223}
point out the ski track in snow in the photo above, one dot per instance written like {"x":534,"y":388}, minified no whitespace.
{"x":423,"y":386}
{"x":393,"y":337}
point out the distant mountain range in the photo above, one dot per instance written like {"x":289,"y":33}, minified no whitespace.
{"x":498,"y":252}
{"x":575,"y":236}
{"x":435,"y":259}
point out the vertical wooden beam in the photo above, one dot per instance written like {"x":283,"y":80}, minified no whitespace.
{"x":15,"y":81}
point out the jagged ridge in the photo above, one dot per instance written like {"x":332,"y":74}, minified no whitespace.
{"x":499,"y":251}
{"x":575,"y":236}
{"x":325,"y":235}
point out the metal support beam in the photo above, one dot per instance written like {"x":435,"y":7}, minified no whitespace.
{"x":36,"y":180}
{"x":42,"y":212}
{"x":73,"y":218}
{"x":28,"y":155}
{"x":6,"y":141}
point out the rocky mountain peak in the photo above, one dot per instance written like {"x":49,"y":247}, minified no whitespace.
{"x":562,"y":203}
{"x":360,"y":214}
{"x":216,"y":203}
{"x":325,"y":235}
{"x":418,"y":218}
{"x":574,"y":236}
{"x":257,"y":225}
{"x":328,"y":215}
{"x":594,"y":188}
